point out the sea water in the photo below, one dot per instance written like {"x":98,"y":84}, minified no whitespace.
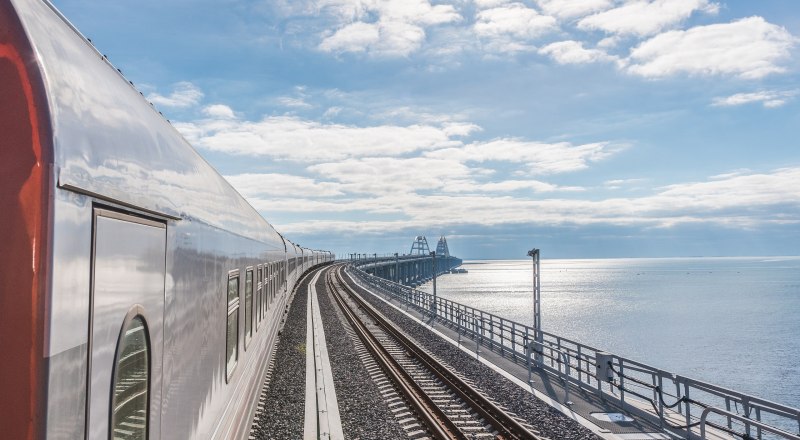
{"x":733,"y":322}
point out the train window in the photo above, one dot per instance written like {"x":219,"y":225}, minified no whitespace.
{"x":232,"y":332}
{"x":272,"y":287}
{"x":248,"y":306}
{"x":272,"y":282}
{"x":259,"y":297}
{"x":269,"y":284}
{"x":269,"y":276}
{"x":273,"y":290}
{"x":129,"y":404}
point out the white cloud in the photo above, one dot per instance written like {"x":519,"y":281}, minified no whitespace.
{"x":391,"y":38}
{"x":184,"y":94}
{"x":749,"y":48}
{"x":609,"y":42}
{"x":421,"y":115}
{"x":645,"y":17}
{"x":569,"y":9}
{"x":293,"y":138}
{"x":767,"y":98}
{"x":620,"y":183}
{"x":220,"y":111}
{"x":511,"y":28}
{"x":356,"y":37}
{"x":398,"y":38}
{"x":741,"y":192}
{"x":742,"y":200}
{"x":332,"y":112}
{"x":388,"y":176}
{"x":282,"y":185}
{"x":573,"y":52}
{"x":513,"y":20}
{"x":536,"y":186}
{"x":390,"y":28}
{"x":486,"y":4}
{"x":417,"y":11}
{"x":539,"y":158}
{"x":288,"y":101}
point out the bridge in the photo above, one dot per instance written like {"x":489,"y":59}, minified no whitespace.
{"x":412,"y":269}
{"x":482,"y":371}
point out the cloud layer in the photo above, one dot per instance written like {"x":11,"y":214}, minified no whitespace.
{"x":648,"y":38}
{"x":442,"y":174}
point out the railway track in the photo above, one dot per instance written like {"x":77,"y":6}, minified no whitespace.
{"x":446,"y":405}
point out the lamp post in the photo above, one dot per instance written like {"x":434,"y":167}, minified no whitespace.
{"x":537,"y":302}
{"x":433,"y":305}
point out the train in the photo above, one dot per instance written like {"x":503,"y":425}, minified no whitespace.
{"x":141,"y":294}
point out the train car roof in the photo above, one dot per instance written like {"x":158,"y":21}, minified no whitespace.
{"x":110,"y":143}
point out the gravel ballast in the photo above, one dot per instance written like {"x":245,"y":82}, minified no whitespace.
{"x":282,"y":416}
{"x":545,"y":419}
{"x":363,"y":411}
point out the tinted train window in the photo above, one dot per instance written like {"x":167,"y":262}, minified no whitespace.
{"x":259,"y":296}
{"x":272,"y":285}
{"x":129,"y":404}
{"x":232,"y":331}
{"x":271,"y":289}
{"x":268,"y":286}
{"x":248,"y":306}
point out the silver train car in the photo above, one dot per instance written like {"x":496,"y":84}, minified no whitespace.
{"x":141,"y":294}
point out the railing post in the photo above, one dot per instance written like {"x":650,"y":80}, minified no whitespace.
{"x":513,"y":339}
{"x":622,"y":383}
{"x":660,"y":403}
{"x":566,"y":378}
{"x":458,"y":327}
{"x":477,"y":338}
{"x":491,"y":332}
{"x":528,"y":356}
{"x":689,"y":409}
{"x":746,"y":409}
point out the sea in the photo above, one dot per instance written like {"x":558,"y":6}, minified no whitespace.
{"x":731,"y":321}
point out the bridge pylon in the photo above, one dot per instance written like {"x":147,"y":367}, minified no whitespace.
{"x":420,"y":246}
{"x":441,"y":247}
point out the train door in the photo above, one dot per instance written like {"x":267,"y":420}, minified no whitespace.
{"x":126,"y":327}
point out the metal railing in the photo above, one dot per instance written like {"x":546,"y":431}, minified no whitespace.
{"x":679,"y":405}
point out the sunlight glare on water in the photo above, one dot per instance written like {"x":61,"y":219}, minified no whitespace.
{"x":734,"y":322}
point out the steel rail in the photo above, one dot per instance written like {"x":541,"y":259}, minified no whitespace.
{"x":439,"y":426}
{"x":506,"y":426}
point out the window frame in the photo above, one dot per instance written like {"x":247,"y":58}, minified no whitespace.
{"x":232,"y":309}
{"x":135,"y":312}
{"x":259,"y":294}
{"x":248,"y":306}
{"x":271,"y":285}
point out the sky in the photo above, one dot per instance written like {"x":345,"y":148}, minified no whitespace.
{"x":584,"y":128}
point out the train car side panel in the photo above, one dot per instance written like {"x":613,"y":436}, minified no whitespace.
{"x":81,"y":140}
{"x":25,"y":176}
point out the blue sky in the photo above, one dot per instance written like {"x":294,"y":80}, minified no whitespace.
{"x":586,"y":128}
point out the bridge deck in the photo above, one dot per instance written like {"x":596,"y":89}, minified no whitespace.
{"x":308,"y":393}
